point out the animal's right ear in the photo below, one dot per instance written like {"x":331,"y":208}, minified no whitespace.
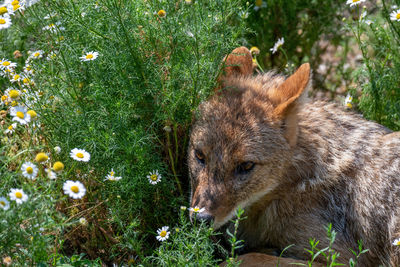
{"x":238,"y":63}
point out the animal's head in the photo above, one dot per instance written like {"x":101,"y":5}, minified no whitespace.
{"x":243,"y":138}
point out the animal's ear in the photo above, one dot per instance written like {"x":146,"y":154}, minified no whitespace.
{"x":285,"y":99}
{"x":238,"y":63}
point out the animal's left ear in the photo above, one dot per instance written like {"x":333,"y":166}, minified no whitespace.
{"x":285,"y":99}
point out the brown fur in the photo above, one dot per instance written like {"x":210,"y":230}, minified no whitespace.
{"x":314,"y":164}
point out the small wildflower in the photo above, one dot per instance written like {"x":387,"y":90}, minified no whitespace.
{"x":5,"y":22}
{"x":57,"y":149}
{"x":79,"y":155}
{"x":13,"y":93}
{"x":74,"y":189}
{"x":6,"y":64}
{"x":183,"y":208}
{"x":29,"y":170}
{"x":18,"y":195}
{"x":4,"y":204}
{"x":15,"y":78}
{"x":7,"y":261}
{"x":11,"y":129}
{"x":163,"y":233}
{"x":32,"y":113}
{"x":53,"y":27}
{"x":83,"y":221}
{"x":254,"y":50}
{"x":258,"y":4}
{"x":41,"y":157}
{"x":396,"y":242}
{"x":395,"y":15}
{"x":89,"y":56}
{"x":354,"y":2}
{"x":19,"y":114}
{"x":111,"y":176}
{"x":277,"y":45}
{"x":154,"y":177}
{"x":50,"y":174}
{"x":177,"y":229}
{"x":36,"y":54}
{"x":197,"y":209}
{"x":348,"y":101}
{"x":58,"y":166}
{"x":161,"y":13}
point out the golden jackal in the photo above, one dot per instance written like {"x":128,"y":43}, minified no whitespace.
{"x":294,"y":166}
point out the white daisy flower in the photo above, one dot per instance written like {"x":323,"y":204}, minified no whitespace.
{"x":13,"y":94}
{"x":19,"y":114}
{"x":53,"y":27}
{"x":348,"y":102}
{"x":15,"y":77}
{"x":6,"y":64}
{"x":4,"y":204}
{"x":396,"y":242}
{"x":18,"y":195}
{"x":83,"y":221}
{"x":79,"y":155}
{"x":16,"y":5}
{"x":89,"y":56}
{"x":163,"y":233}
{"x":11,"y":129}
{"x":50,"y":174}
{"x":29,"y":170}
{"x":258,"y":4}
{"x":395,"y":15}
{"x":5,"y":11}
{"x":28,"y":69}
{"x":154,"y":177}
{"x":368,"y":22}
{"x":111,"y":176}
{"x":278,"y":44}
{"x":5,"y":22}
{"x":354,"y":2}
{"x":74,"y":189}
{"x":197,"y":209}
{"x":36,"y":54}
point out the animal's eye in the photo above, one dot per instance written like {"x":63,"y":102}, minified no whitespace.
{"x":200,"y":156}
{"x":244,"y":167}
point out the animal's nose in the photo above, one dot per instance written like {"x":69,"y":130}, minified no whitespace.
{"x":204,"y":216}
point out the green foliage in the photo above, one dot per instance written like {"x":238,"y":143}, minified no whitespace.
{"x":379,"y":76}
{"x":301,"y":23}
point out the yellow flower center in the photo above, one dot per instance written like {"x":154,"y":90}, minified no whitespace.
{"x":16,"y":7}
{"x":79,"y":155}
{"x":89,"y":56}
{"x":153,"y":177}
{"x":10,"y":127}
{"x":14,"y":103}
{"x":258,"y":3}
{"x":52,"y":25}
{"x":36,"y":54}
{"x":2,"y":21}
{"x":32,"y":113}
{"x":41,"y":157}
{"x":398,"y":243}
{"x":58,"y":166}
{"x":18,"y":194}
{"x":3,"y":10}
{"x":14,"y":93}
{"x":15,"y":2}
{"x":75,"y":189}
{"x":25,"y":80}
{"x":112,"y":173}
{"x":29,"y":170}
{"x":6,"y":63}
{"x":4,"y":98}
{"x":161,"y":13}
{"x":2,"y":203}
{"x":163,"y":233}
{"x":16,"y":77}
{"x":398,"y":16}
{"x":355,"y":1}
{"x":196,"y":209}
{"x":20,"y":115}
